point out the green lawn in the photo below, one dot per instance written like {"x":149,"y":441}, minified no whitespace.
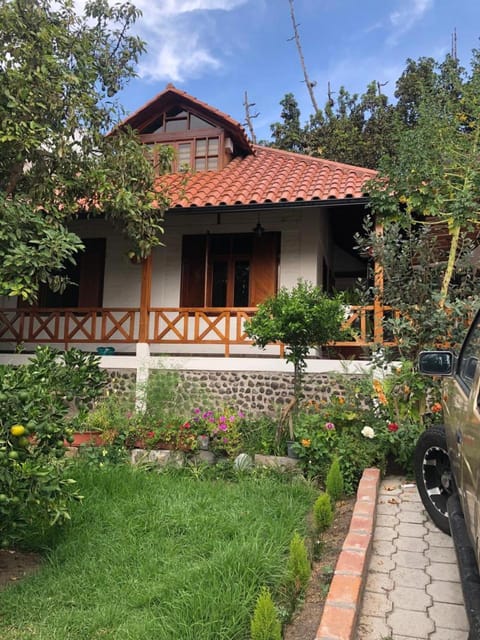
{"x":159,"y":556}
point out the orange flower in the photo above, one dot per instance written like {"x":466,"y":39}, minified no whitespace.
{"x":306,"y":442}
{"x":341,"y":400}
{"x":436,"y":407}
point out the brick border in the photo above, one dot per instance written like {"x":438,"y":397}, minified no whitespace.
{"x":339,"y":618}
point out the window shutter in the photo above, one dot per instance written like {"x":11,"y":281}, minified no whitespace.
{"x":264,"y":267}
{"x":192,"y":288}
{"x":92,"y":267}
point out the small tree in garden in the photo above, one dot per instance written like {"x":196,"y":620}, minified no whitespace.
{"x":298,"y":569}
{"x":301,"y":318}
{"x":322,"y":512}
{"x":334,"y":483}
{"x":265,"y":624}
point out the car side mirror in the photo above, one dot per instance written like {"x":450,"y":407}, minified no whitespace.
{"x":436,"y":363}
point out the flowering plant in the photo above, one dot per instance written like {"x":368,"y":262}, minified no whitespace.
{"x":223,"y":427}
{"x":173,"y":434}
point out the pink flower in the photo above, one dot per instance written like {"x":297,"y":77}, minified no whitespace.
{"x":222,"y":427}
{"x":329,"y":426}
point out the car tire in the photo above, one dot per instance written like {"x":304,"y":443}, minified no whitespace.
{"x":433,"y":475}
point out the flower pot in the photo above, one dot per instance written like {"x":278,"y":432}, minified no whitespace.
{"x":203,"y":442}
{"x":291,"y":452}
{"x":92,"y":438}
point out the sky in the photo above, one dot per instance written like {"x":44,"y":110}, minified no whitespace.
{"x":216,"y":50}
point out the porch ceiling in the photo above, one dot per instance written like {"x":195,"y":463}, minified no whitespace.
{"x":268,"y":176}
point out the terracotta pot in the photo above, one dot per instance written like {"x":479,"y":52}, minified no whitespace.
{"x":93,"y":438}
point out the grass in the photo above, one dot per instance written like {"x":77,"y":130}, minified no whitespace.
{"x":159,"y":555}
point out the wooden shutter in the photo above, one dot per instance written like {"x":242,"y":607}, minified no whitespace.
{"x":91,"y":264}
{"x":87,"y":274}
{"x":264,"y":267}
{"x":192,"y":288}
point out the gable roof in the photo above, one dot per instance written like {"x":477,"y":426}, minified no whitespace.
{"x":267,"y":176}
{"x":173,"y":97}
{"x":256,"y":175}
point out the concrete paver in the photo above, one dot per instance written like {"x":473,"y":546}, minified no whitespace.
{"x":413,"y":589}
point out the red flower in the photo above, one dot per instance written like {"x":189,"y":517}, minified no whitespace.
{"x":392,"y":426}
{"x":150,"y":434}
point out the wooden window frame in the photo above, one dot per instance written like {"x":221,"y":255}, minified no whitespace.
{"x":175,"y":139}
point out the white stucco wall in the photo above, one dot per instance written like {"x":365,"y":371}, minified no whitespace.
{"x":302,"y":238}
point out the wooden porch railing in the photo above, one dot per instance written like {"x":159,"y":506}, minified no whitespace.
{"x":166,"y":325}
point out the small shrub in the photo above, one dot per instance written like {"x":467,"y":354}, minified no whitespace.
{"x":265,"y":624}
{"x":298,"y":569}
{"x":334,"y":483}
{"x":322,"y":512}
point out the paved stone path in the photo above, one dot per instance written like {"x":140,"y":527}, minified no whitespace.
{"x":413,"y":587}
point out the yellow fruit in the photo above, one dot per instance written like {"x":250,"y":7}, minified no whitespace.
{"x":17,"y":430}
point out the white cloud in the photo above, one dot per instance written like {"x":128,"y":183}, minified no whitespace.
{"x":179,"y":36}
{"x":175,"y":7}
{"x":407,"y":16}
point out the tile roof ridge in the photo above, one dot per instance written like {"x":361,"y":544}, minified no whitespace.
{"x":314,"y":159}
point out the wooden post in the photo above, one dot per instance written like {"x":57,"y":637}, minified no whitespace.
{"x":378,"y":301}
{"x":145,"y":298}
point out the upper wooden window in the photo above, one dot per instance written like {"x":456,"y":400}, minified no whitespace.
{"x":197,"y":143}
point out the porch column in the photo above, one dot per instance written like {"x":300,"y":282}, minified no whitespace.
{"x":145,"y":298}
{"x":378,"y":301}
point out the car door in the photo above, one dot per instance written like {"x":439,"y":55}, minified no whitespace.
{"x":464,"y":426}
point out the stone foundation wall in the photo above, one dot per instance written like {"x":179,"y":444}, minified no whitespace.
{"x":255,"y":392}
{"x":250,"y":391}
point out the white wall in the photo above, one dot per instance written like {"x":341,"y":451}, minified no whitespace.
{"x":302,"y":237}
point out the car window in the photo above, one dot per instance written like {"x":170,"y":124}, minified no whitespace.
{"x":469,"y":356}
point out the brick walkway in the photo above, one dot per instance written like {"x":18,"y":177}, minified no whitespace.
{"x":412,"y":588}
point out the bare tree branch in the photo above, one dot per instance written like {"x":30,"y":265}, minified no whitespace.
{"x":249,"y":117}
{"x":308,"y":82}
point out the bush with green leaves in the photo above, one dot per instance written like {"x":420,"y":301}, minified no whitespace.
{"x":301,"y":318}
{"x":39,"y":405}
{"x":265,"y":624}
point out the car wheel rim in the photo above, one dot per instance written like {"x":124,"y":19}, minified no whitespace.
{"x":437,"y":478}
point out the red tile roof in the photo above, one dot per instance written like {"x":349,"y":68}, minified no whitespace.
{"x":268,"y":176}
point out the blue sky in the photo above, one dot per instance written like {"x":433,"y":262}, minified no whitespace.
{"x":218,"y":49}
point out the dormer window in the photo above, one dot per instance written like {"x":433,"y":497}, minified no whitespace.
{"x":197,"y":143}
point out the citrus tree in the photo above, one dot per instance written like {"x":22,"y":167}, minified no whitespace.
{"x":35,"y":426}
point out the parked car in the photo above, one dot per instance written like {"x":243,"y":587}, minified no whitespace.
{"x":447,"y":461}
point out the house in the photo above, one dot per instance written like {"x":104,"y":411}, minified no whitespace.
{"x":244,"y":221}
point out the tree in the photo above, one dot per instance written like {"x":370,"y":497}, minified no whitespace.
{"x":288,"y":135}
{"x":434,"y":180}
{"x":59,"y":77}
{"x":301,"y":318}
{"x":412,"y":275}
